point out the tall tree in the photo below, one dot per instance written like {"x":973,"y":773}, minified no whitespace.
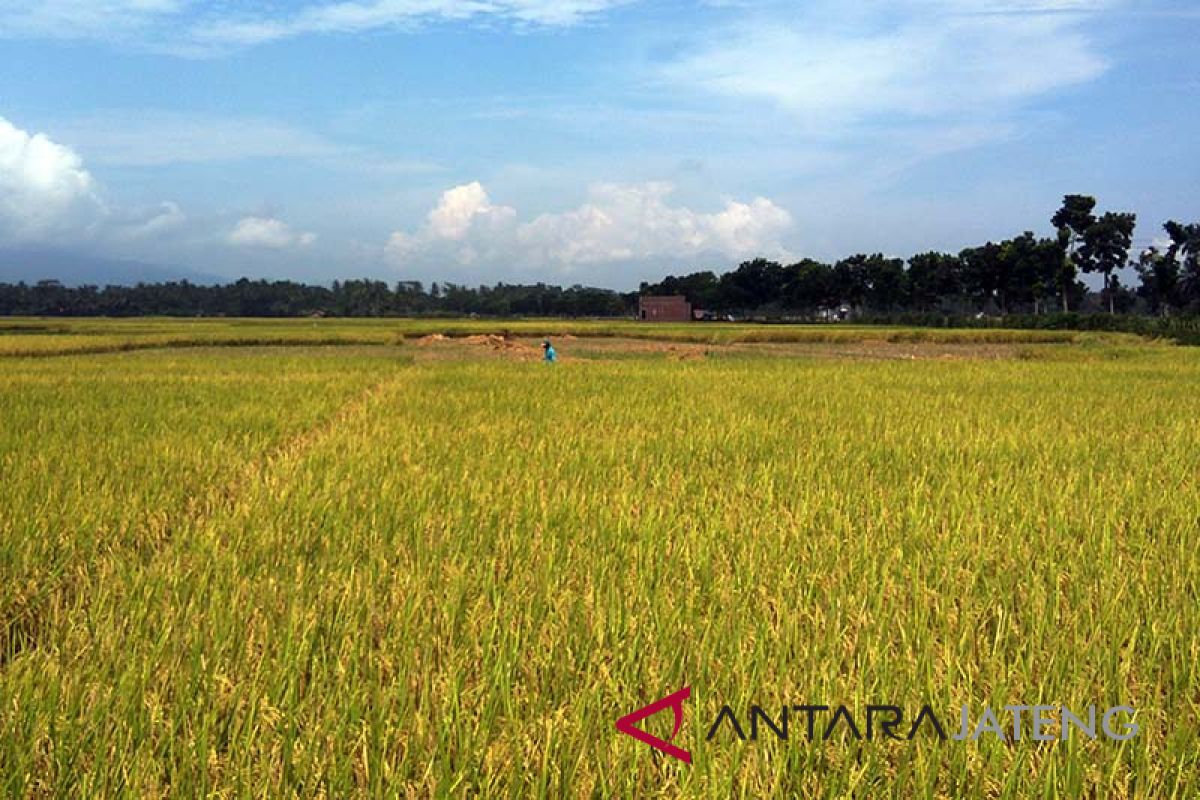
{"x":702,"y":289}
{"x":1160,"y":285}
{"x":984,"y":275}
{"x":1020,"y":279}
{"x":887,"y":283}
{"x":1185,"y":252}
{"x":851,"y":281}
{"x":752,"y":285}
{"x":1122,"y":298}
{"x":1072,"y":220}
{"x":934,"y":279}
{"x":1105,"y":248}
{"x":1048,"y":260}
{"x":808,"y":286}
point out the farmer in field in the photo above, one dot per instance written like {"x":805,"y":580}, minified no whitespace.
{"x":548,"y":350}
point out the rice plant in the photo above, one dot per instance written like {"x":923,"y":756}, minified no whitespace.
{"x":346,"y":572}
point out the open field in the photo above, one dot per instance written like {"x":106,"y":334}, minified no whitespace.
{"x":30,"y":336}
{"x":441,"y":568}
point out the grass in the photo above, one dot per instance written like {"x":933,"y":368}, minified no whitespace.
{"x":352,"y":572}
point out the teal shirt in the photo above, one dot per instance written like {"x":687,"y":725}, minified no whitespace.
{"x":550,"y":354}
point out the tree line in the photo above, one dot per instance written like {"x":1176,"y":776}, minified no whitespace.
{"x":1022,"y":275}
{"x":352,"y":298}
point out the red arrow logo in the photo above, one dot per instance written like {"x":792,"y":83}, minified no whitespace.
{"x":628,"y":724}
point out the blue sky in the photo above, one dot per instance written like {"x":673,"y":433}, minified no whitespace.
{"x":590,"y":141}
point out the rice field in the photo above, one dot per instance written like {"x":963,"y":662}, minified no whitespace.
{"x":52,"y":336}
{"x":379,"y":563}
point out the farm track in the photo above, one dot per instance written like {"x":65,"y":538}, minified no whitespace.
{"x":24,"y":630}
{"x":77,"y":339}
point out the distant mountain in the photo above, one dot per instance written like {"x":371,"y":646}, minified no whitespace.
{"x":79,"y":269}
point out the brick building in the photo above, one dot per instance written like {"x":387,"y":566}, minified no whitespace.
{"x":670,"y":308}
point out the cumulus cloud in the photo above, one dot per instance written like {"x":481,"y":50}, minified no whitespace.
{"x":463,"y":208}
{"x":44,"y":187}
{"x":463,"y":218}
{"x":269,"y":233}
{"x":618,"y":223}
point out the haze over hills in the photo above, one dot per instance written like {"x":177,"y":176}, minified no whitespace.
{"x":32,"y":264}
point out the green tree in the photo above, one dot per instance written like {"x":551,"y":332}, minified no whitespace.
{"x":934,"y":279}
{"x":1160,"y":284}
{"x":1072,"y":220}
{"x":851,"y":281}
{"x":887,"y":283}
{"x":1047,"y":262}
{"x":1021,"y":281}
{"x":702,"y":289}
{"x":984,"y":276}
{"x":808,"y":286}
{"x":1185,"y":253}
{"x":1105,"y":249}
{"x":753,"y":284}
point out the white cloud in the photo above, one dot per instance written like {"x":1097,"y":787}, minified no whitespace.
{"x":401,"y":246}
{"x":269,"y":233}
{"x":618,"y":223}
{"x":44,"y":187}
{"x":189,"y":27}
{"x":78,"y":19}
{"x":163,"y":219}
{"x":153,"y":138}
{"x":464,"y":207}
{"x":354,"y":17}
{"x":837,"y":64}
{"x":47,"y":196}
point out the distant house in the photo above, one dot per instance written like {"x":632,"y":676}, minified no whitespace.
{"x":670,"y":308}
{"x":839,"y":314}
